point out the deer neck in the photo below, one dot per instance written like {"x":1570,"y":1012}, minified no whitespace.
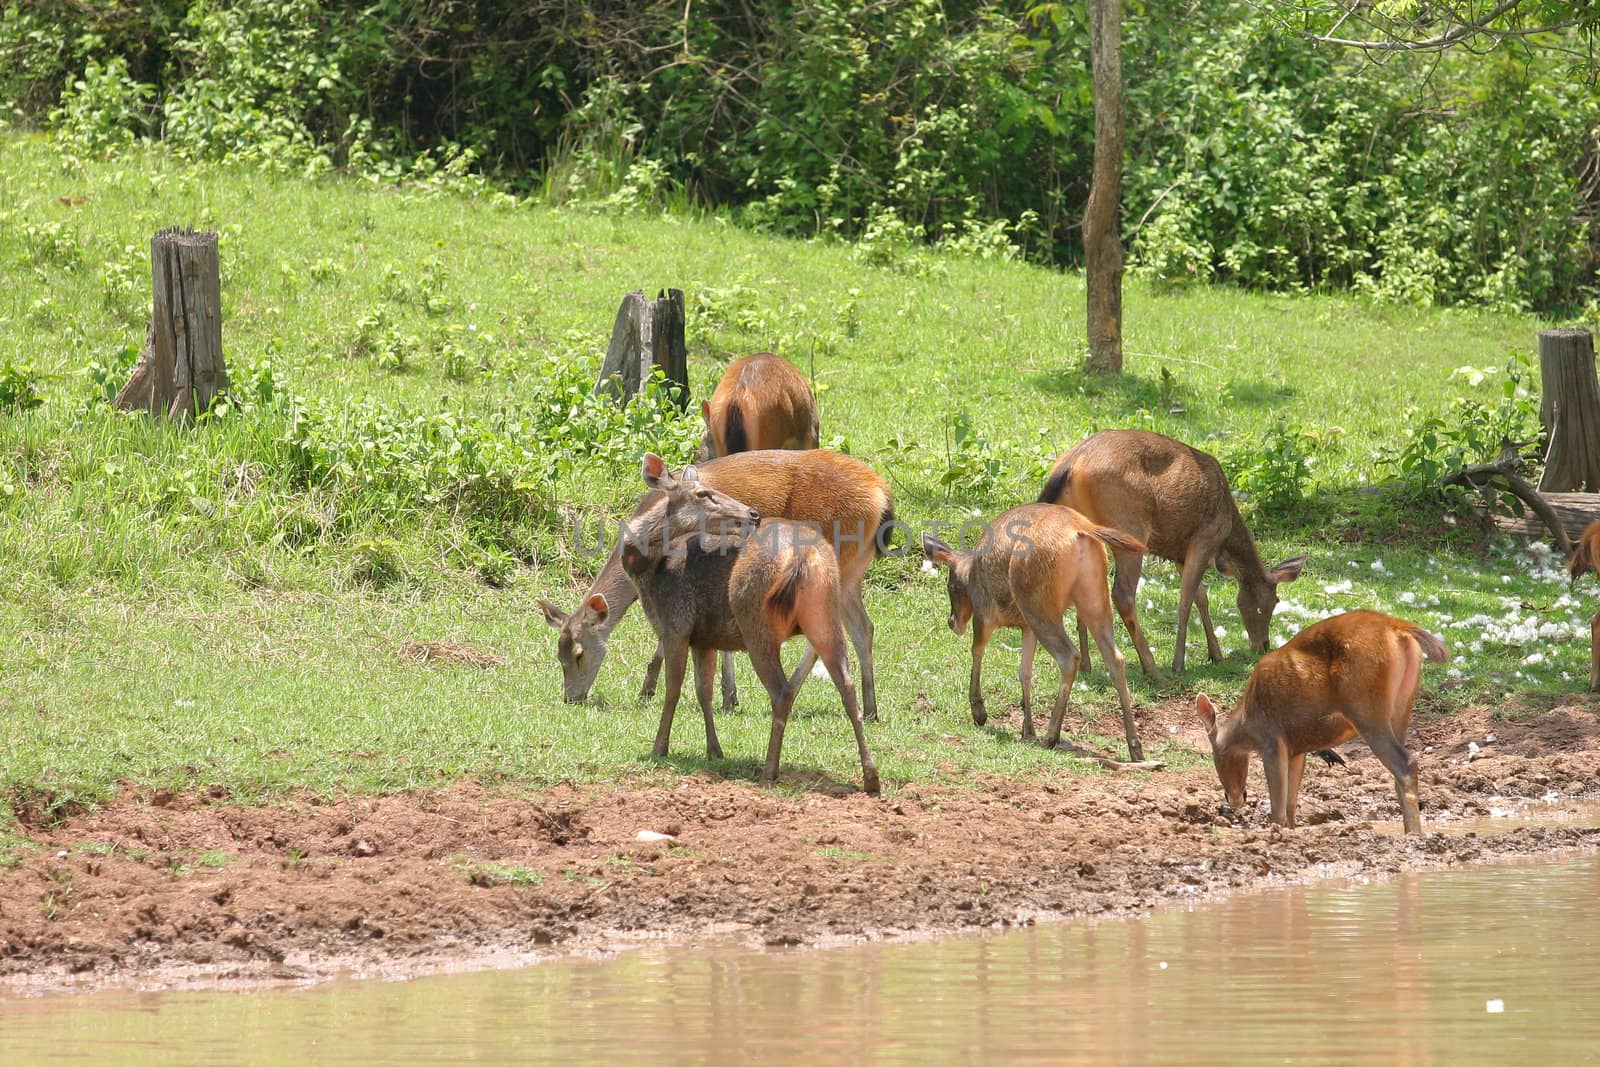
{"x":1240,"y":548}
{"x":613,"y":584}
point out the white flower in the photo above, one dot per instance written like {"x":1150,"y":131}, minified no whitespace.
{"x":1378,"y":567}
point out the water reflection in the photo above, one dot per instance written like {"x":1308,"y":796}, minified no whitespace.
{"x":1395,"y":973}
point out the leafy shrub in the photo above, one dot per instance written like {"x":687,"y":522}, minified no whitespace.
{"x":1471,"y":431}
{"x":19,"y":387}
{"x":105,"y":109}
{"x":1255,"y":156}
{"x":1271,"y":472}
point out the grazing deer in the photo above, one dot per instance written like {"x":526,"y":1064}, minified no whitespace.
{"x":1356,"y":673}
{"x":761,"y":402}
{"x":1034,"y":563}
{"x":1175,"y":499}
{"x":1586,"y":558}
{"x":842,"y":496}
{"x":751,"y":589}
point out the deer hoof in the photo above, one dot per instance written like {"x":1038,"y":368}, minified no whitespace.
{"x":870,"y":784}
{"x":980,"y":714}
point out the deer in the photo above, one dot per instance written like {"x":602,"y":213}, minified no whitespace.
{"x":1586,"y":558}
{"x":761,"y":402}
{"x":1355,"y":673}
{"x":842,"y":496}
{"x":751,"y":589}
{"x":1175,"y":499}
{"x":1033,"y":563}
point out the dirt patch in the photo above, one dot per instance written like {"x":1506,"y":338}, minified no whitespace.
{"x":167,"y":888}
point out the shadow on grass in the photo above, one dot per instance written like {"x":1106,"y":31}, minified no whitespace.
{"x":1258,"y":393}
{"x":747,"y":769}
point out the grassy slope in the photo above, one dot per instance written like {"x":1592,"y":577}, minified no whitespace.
{"x":124,"y":657}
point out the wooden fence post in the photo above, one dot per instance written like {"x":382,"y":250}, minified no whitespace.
{"x":181,"y":369}
{"x":1570,"y":411}
{"x":647,"y":334}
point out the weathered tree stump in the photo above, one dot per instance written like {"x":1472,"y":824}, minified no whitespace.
{"x":648,"y":334}
{"x":181,"y":370}
{"x":1570,"y":411}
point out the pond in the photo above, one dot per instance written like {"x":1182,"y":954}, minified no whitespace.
{"x":1490,"y":963}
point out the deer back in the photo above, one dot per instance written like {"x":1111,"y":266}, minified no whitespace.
{"x":1160,"y":490}
{"x":843,"y":497}
{"x":1345,"y":675}
{"x":762,"y":402}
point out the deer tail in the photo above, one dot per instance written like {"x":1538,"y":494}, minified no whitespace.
{"x":733,"y":432}
{"x":1583,"y":560}
{"x":884,"y":534}
{"x":1431,"y":646}
{"x":787,"y":591}
{"x":1055,"y":486}
{"x":1115,"y":539}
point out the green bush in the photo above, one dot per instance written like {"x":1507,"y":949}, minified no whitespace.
{"x":1254,"y":156}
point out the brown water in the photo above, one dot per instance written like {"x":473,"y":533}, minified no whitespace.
{"x":1395,"y":972}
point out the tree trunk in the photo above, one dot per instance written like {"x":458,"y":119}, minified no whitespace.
{"x":1102,"y":244}
{"x":647,"y":334}
{"x":181,"y":370}
{"x":1570,"y":411}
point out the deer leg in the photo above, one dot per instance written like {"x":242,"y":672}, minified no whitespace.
{"x":981,"y":632}
{"x":730,"y":689}
{"x":860,"y":627}
{"x":802,"y":670}
{"x":1194,"y":572}
{"x":764,"y":656}
{"x":705,"y":666}
{"x":1275,"y":761}
{"x":651,"y":673}
{"x":1053,"y":636}
{"x":1025,"y":677}
{"x":1118,"y":669}
{"x":1594,"y":655}
{"x":833,"y":657}
{"x":1297,"y":769}
{"x":676,"y":658}
{"x":1083,"y":645}
{"x":1203,"y":602}
{"x":1392,"y":753}
{"x":1125,"y":595}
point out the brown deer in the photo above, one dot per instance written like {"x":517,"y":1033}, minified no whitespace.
{"x":842,"y":496}
{"x":1356,"y":673}
{"x":1176,"y":500}
{"x":761,"y":402}
{"x":1033,"y":563}
{"x":1586,"y":558}
{"x":705,"y":587}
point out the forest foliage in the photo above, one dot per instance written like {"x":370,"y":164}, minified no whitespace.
{"x":1256,"y":156}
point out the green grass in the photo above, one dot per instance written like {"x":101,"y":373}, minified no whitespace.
{"x":183,"y":609}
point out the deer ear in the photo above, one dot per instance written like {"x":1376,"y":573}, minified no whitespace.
{"x":1287,"y":571}
{"x":552,"y":614}
{"x":937,"y":550}
{"x":597,"y":607}
{"x":1207,"y":712}
{"x":654,"y":469}
{"x":690,"y":473}
{"x":705,"y":411}
{"x":1224,"y":566}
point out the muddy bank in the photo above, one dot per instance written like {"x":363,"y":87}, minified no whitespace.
{"x":162,"y":889}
